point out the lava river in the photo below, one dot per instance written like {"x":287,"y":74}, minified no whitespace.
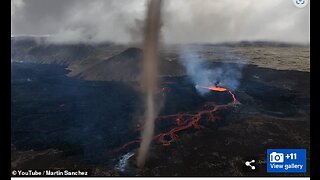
{"x":183,"y":121}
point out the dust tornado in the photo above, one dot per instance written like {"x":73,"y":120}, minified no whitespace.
{"x":149,"y":80}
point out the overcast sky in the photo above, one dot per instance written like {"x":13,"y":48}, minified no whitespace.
{"x":184,"y":21}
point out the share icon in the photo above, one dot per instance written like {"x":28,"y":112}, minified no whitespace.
{"x":248,"y":163}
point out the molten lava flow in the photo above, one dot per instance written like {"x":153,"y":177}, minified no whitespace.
{"x":233,"y":97}
{"x":214,"y":88}
{"x":183,"y":121}
{"x":220,"y":89}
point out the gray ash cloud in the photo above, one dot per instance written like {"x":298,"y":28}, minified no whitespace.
{"x":184,"y":21}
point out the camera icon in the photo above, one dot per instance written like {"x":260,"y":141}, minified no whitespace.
{"x":276,"y":157}
{"x":300,"y":3}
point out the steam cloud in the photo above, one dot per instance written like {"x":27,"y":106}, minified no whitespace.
{"x":185,"y":21}
{"x":149,"y":76}
{"x":202,"y":74}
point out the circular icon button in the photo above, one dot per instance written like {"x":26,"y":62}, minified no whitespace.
{"x":248,"y":163}
{"x":300,"y":3}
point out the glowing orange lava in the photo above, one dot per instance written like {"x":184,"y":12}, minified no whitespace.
{"x":213,"y":88}
{"x":220,"y":89}
{"x":183,"y":121}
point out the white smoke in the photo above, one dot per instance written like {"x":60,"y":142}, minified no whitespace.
{"x":184,"y":21}
{"x":201,"y":72}
{"x":16,"y":5}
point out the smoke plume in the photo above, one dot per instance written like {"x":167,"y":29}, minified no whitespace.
{"x":149,"y":76}
{"x":185,"y":21}
{"x":203,"y":73}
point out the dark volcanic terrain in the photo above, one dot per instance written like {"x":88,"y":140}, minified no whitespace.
{"x":72,"y":106}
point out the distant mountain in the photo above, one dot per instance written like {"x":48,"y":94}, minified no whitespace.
{"x":36,"y":50}
{"x":108,"y":61}
{"x":258,"y":44}
{"x":126,"y":66}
